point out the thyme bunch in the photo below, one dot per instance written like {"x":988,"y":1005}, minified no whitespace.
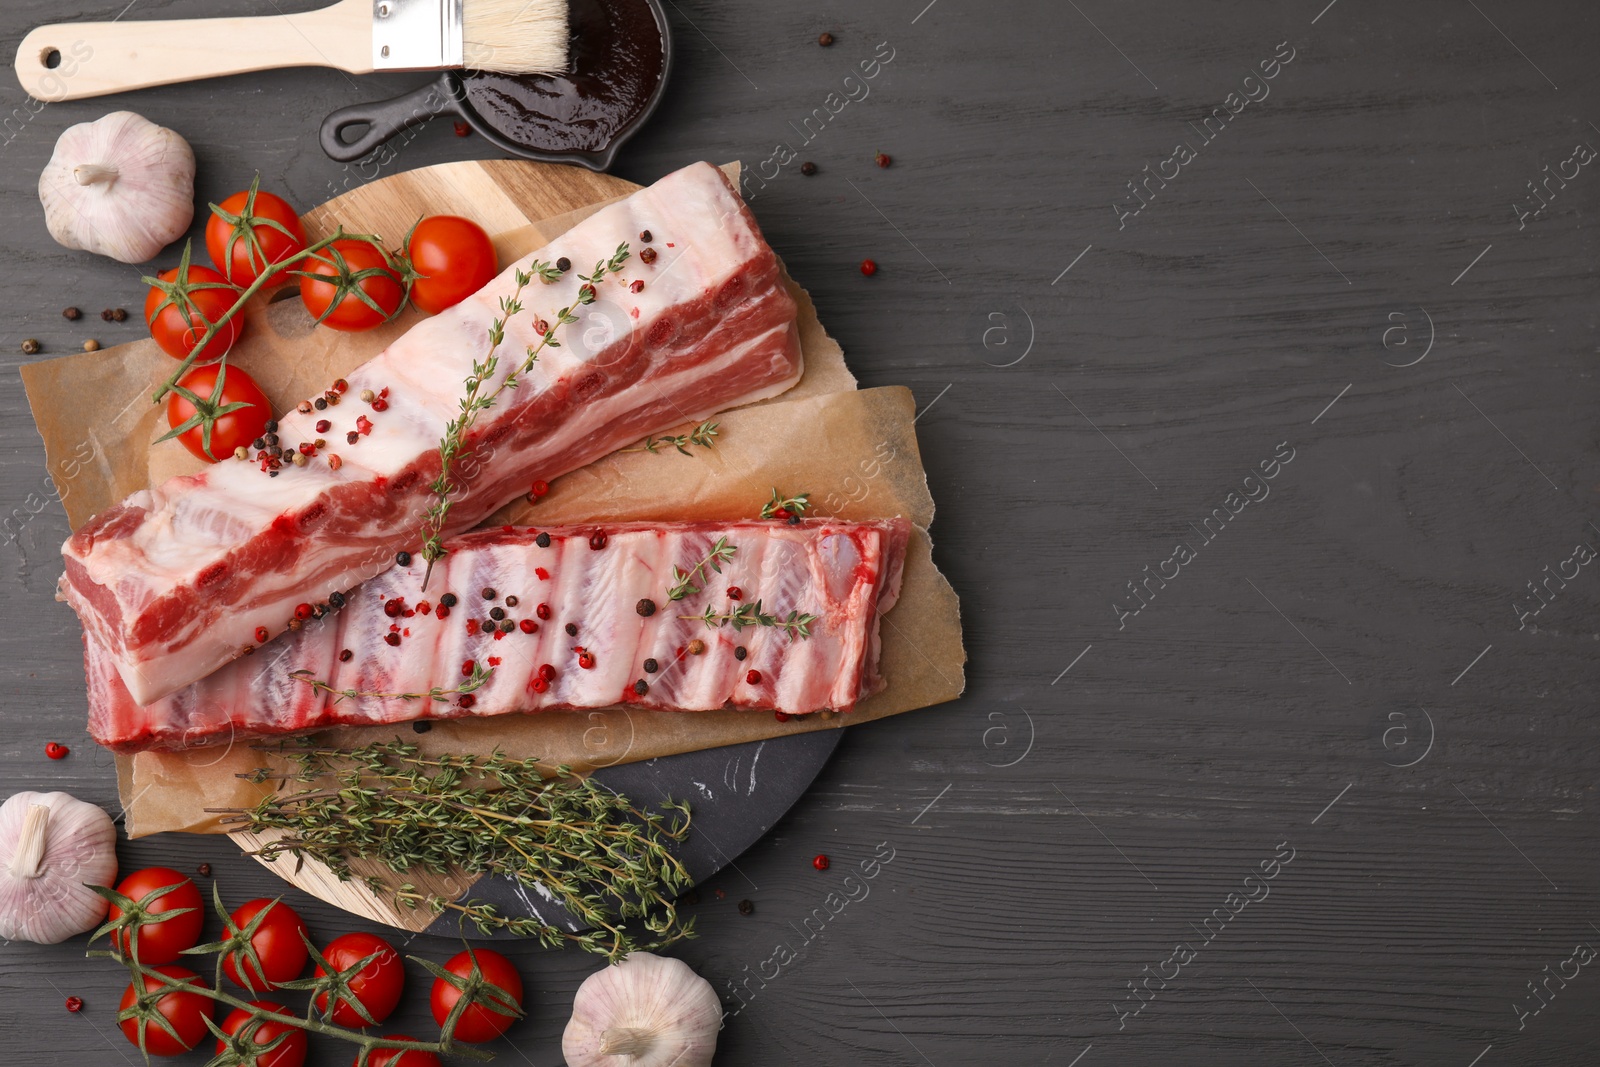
{"x":606,"y":861}
{"x":683,"y":580}
{"x":795,"y":624}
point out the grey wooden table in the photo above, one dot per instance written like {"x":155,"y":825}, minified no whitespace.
{"x":1316,"y":786}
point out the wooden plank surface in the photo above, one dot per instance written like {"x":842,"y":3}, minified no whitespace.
{"x":1053,"y":834}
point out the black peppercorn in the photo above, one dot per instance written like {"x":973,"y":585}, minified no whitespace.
{"x":448,"y":600}
{"x":651,"y":666}
{"x":352,"y":437}
{"x":572,"y":629}
{"x":320,"y":404}
{"x":543,"y":540}
{"x":271,"y":426}
{"x":512,"y":601}
{"x":108,"y":315}
{"x":646,"y":607}
{"x":487,"y":592}
{"x":259,"y":443}
{"x":563,"y":264}
{"x":740,"y":653}
{"x":336,"y":599}
{"x":641,"y":687}
{"x":119,"y":315}
{"x":403,"y":558}
{"x":644,"y":235}
{"x":421,"y":726}
{"x":745,"y":907}
{"x":808,"y":168}
{"x":497,"y":614}
{"x":205,"y":870}
{"x":71,"y":314}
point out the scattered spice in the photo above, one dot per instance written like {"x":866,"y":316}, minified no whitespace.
{"x":539,"y":488}
{"x":392,"y":640}
{"x":497,"y":614}
{"x":572,"y":629}
{"x":528,"y":626}
{"x":543,"y":540}
{"x":696,"y":647}
{"x":108,"y":315}
{"x":647,"y":256}
{"x":868,"y":267}
{"x":323,"y":425}
{"x":753,"y":677}
{"x":345,"y":655}
{"x":336,"y":599}
{"x":746,"y":908}
{"x":334,"y":462}
{"x":320,"y":403}
{"x":91,"y":345}
{"x":71,"y":314}
{"x":820,"y":862}
{"x":882,"y":159}
{"x":825,"y":39}
{"x":645,"y":237}
{"x":636,"y":286}
{"x":462,"y":129}
{"x":262,"y":635}
{"x":735,"y":593}
{"x":808,"y":168}
{"x":119,"y":315}
{"x":204,"y":870}
{"x":597,"y":540}
{"x":785,"y":507}
{"x":487,"y":592}
{"x":740,"y":653}
{"x":651,"y":666}
{"x":641,"y":687}
{"x":56,"y":750}
{"x":780,"y":716}
{"x":403,"y":558}
{"x":645,"y":607}
{"x":30,"y":347}
{"x":563,"y":264}
{"x":543,"y":611}
{"x":421,"y":726}
{"x":448,"y":600}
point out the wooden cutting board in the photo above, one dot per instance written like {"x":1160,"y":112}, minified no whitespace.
{"x":739,"y":791}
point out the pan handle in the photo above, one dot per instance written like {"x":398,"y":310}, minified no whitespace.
{"x":382,"y":119}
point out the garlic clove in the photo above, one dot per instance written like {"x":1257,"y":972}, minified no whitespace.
{"x":120,"y":186}
{"x":52,"y":846}
{"x":647,"y":1011}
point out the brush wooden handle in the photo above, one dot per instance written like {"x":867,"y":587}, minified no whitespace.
{"x":95,"y":58}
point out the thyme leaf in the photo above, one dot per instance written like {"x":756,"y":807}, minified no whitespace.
{"x":703,"y":435}
{"x":683,"y":580}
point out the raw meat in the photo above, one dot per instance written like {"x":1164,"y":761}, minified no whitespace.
{"x":175,"y":581}
{"x":400,"y":641}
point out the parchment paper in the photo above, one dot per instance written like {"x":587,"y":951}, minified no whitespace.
{"x":855,"y":452}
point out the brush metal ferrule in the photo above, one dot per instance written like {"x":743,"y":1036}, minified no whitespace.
{"x":417,"y":34}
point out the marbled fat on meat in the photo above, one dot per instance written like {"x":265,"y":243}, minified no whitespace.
{"x":846,"y":574}
{"x":173,"y":582}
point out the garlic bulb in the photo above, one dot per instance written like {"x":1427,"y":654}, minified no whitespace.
{"x":51,"y":844}
{"x":647,"y":1011}
{"x":120,"y":186}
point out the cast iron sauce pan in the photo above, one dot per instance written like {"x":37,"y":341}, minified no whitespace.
{"x":448,"y":95}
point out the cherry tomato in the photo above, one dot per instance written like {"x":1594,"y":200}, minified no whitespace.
{"x":187,"y":1012}
{"x":292,"y":1053}
{"x":244,"y":236}
{"x":277,"y":943}
{"x":162,"y":942}
{"x":230,"y":426}
{"x":377,"y":985}
{"x":477,"y":1023}
{"x":455,"y":259}
{"x":392,"y":1057}
{"x":351,"y":265}
{"x":203,"y":297}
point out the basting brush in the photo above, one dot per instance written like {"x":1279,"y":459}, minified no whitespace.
{"x":71,"y":61}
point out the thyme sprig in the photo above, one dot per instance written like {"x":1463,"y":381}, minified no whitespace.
{"x":472,"y":683}
{"x":609,"y":863}
{"x":683,"y":580}
{"x":793,"y":505}
{"x":703,"y":435}
{"x":476,"y":399}
{"x":795,"y":624}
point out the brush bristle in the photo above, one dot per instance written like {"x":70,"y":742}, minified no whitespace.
{"x":515,"y":36}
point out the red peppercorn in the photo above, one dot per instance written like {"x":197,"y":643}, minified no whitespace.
{"x":303,"y":611}
{"x":544,"y":576}
{"x":351,"y":438}
{"x":820,"y":862}
{"x":735,"y":593}
{"x":597,"y":540}
{"x":780,"y":513}
{"x":472,"y":626}
{"x":636,"y":286}
{"x":467,"y":700}
{"x":547,"y":672}
{"x":392,"y":639}
{"x":882,"y":159}
{"x":323,"y":425}
{"x":753,"y":677}
{"x":340,"y":385}
{"x":868,"y":267}
{"x":538,"y":685}
{"x":345,"y":655}
{"x":466,"y":668}
{"x":74,"y":1003}
{"x":543,"y":610}
{"x":585,"y":659}
{"x":56,"y":750}
{"x":528,"y":626}
{"x":780,"y":716}
{"x":462,"y":129}
{"x":424,"y":607}
{"x":540,"y":488}
{"x":380,"y":404}
{"x":262,"y":636}
{"x":393,"y":607}
{"x":442,"y":612}
{"x":364,"y":424}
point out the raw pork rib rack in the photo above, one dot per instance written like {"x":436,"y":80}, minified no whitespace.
{"x":574,"y":632}
{"x":175,"y":581}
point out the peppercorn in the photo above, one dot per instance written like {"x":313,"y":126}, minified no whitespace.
{"x":462,"y":129}
{"x":270,"y":438}
{"x":91,"y":345}
{"x":487,"y":592}
{"x":641,"y":687}
{"x":645,"y":607}
{"x":868,"y":267}
{"x":651,"y":666}
{"x":380,"y":404}
{"x":753,"y":677}
{"x":320,"y":404}
{"x":539,"y":487}
{"x":351,"y":438}
{"x":421,"y":726}
{"x":547,"y":672}
{"x":794,"y":520}
{"x":528,"y":626}
{"x":735,"y":593}
{"x":820,"y":862}
{"x":270,"y":426}
{"x":295,"y":624}
{"x":204,"y":869}
{"x":304,"y":407}
{"x":336,"y":599}
{"x":825,"y":39}
{"x":403,"y":558}
{"x":299,"y":459}
{"x":543,"y":540}
{"x":449,"y":600}
{"x":71,"y":314}
{"x":392,"y":640}
{"x":323,"y":425}
{"x":241,"y":453}
{"x":572,"y":629}
{"x":30,"y":347}
{"x":543,"y":611}
{"x":119,"y":315}
{"x":340,"y":385}
{"x":303,"y":611}
{"x":334,"y":462}
{"x":882,"y":159}
{"x":56,"y":750}
{"x":563,"y":264}
{"x":497,"y":614}
{"x":506,"y":626}
{"x":467,"y":700}
{"x":108,"y":315}
{"x":745,"y":907}
{"x":585,"y":659}
{"x":696,"y":647}
{"x":740,"y":653}
{"x":512,"y":601}
{"x":647,"y":256}
{"x":319,"y":443}
{"x":345,"y":655}
{"x":597,"y":540}
{"x":636,"y":286}
{"x":262,"y":636}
